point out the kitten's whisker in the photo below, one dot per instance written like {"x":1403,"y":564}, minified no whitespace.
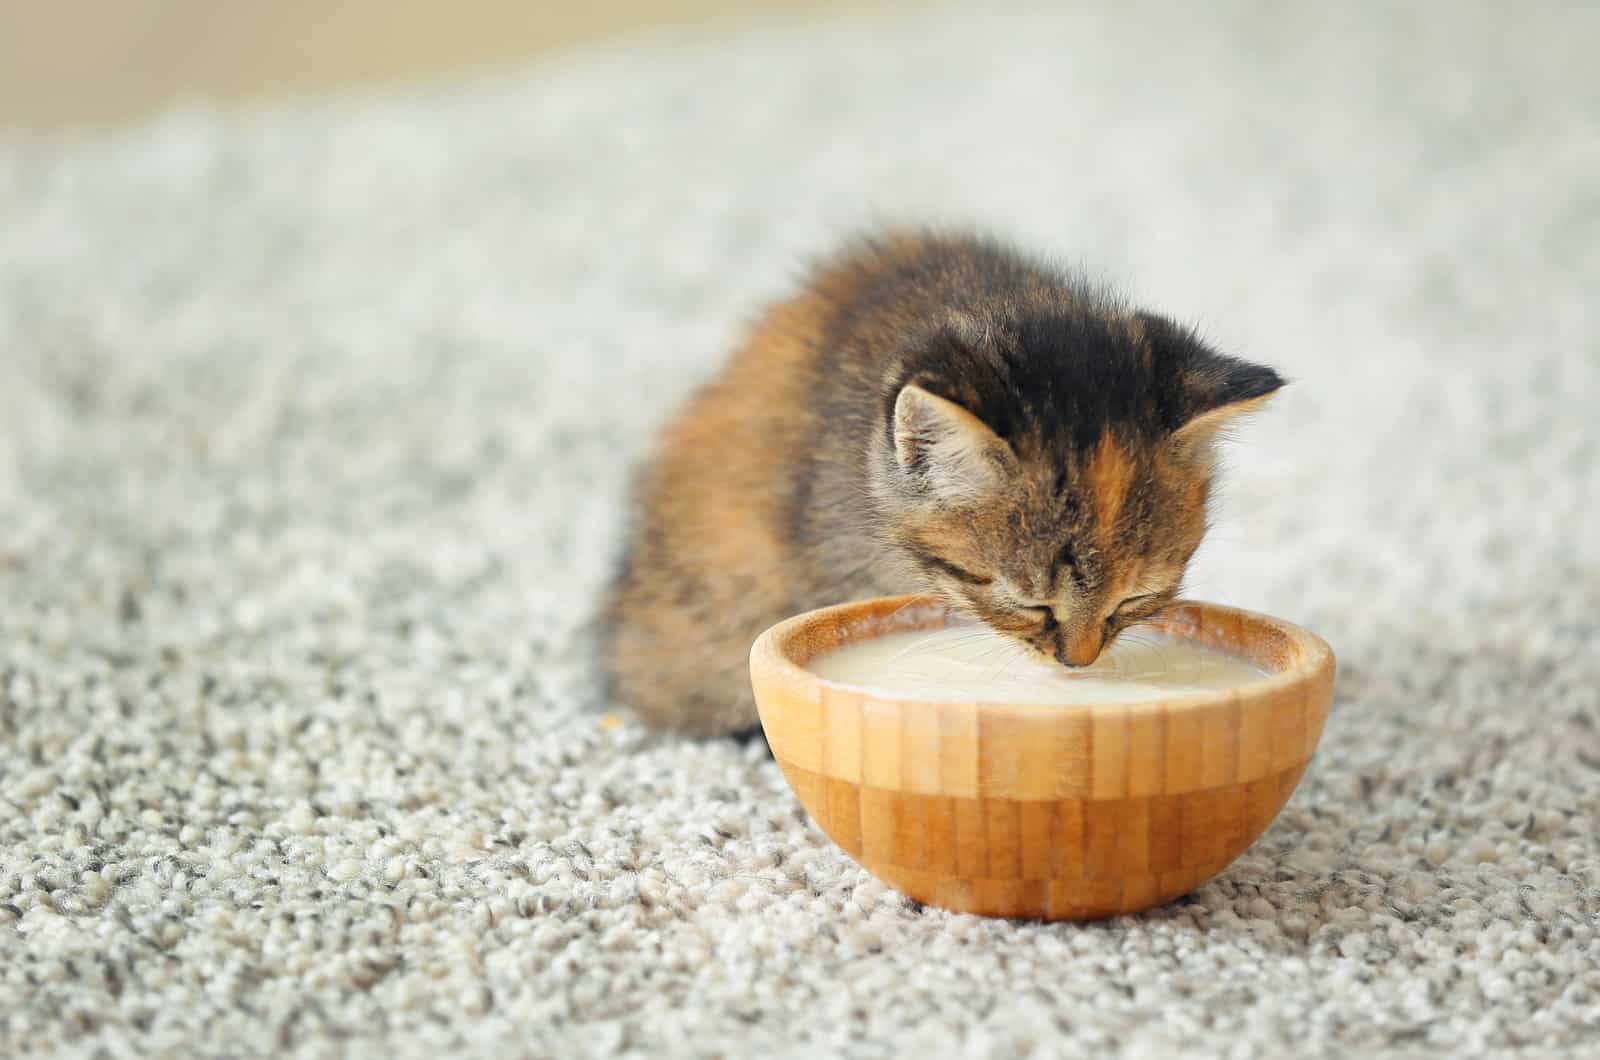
{"x":1005,"y":655}
{"x":902,"y":653}
{"x":1005,"y":670}
{"x":971,"y":635}
{"x":963,"y":643}
{"x":1152,"y":638}
{"x":987,"y":656}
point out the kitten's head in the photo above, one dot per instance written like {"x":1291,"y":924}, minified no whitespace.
{"x":1050,"y":476}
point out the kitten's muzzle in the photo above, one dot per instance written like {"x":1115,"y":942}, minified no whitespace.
{"x":1080,"y":646}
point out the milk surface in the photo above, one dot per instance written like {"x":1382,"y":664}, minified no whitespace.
{"x":974,"y":664}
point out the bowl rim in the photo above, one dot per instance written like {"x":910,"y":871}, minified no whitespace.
{"x":1313,"y":659}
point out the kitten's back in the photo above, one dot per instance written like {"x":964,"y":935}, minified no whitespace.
{"x":711,"y":559}
{"x":754,"y":505}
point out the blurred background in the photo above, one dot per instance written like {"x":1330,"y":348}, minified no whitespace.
{"x":68,"y":66}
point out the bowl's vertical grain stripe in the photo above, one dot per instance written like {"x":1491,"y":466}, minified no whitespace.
{"x":937,"y":842}
{"x":1219,"y":746}
{"x":1000,"y":753}
{"x":1108,"y":777}
{"x":1067,"y":840}
{"x":1184,"y":746}
{"x":972,"y":838}
{"x":879,"y":744}
{"x":1071,"y":752}
{"x":958,"y":749}
{"x":1037,"y":763}
{"x":844,"y":815}
{"x":1134,"y":837}
{"x":841,"y":734}
{"x":921,"y":749}
{"x":1036,"y":823}
{"x":1003,"y":825}
{"x":881,"y":824}
{"x":1255,"y":736}
{"x":1288,"y":719}
{"x":1166,"y":833}
{"x":1233,"y":832}
{"x":1264,"y":804}
{"x":1102,"y":836}
{"x":1147,"y":750}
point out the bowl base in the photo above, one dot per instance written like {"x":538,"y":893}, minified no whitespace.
{"x":1086,"y":859}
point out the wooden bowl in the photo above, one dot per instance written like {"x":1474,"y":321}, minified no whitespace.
{"x":1059,"y":812}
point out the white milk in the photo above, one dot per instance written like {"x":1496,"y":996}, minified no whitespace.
{"x":973,"y":663}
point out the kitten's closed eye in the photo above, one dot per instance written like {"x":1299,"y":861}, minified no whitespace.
{"x":1135,"y":608}
{"x":944,"y":566}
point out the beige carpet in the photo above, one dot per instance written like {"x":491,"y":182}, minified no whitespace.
{"x":315,"y":427}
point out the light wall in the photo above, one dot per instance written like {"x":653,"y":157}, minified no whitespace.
{"x":68,"y":64}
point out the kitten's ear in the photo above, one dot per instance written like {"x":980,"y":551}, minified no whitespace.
{"x":1222,"y":388}
{"x":1213,"y":387}
{"x":951,"y":451}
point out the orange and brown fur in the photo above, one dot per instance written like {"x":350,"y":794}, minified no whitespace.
{"x":932,"y":413}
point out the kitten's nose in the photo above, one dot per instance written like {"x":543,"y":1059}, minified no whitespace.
{"x":1080,"y":647}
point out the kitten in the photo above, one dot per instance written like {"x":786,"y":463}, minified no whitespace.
{"x":929,"y":413}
